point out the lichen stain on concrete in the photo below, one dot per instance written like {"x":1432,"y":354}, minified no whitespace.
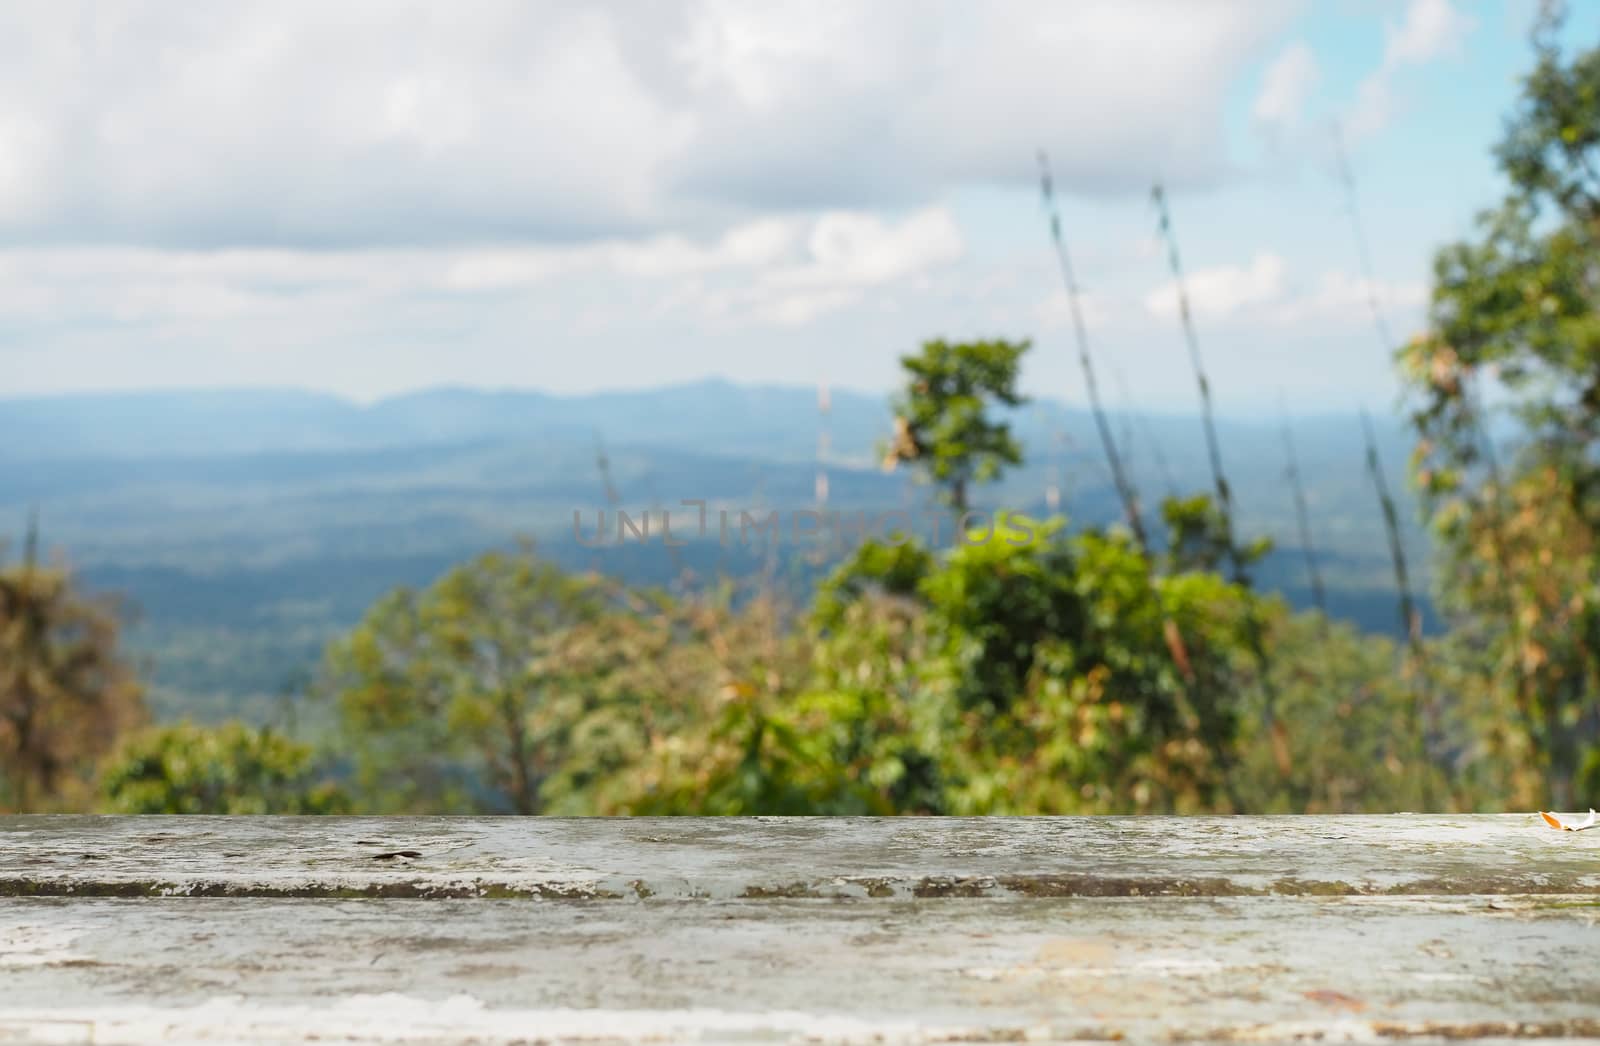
{"x":398,"y":890}
{"x":1122,"y":886}
{"x":1574,"y":894}
{"x":1577,"y":1028}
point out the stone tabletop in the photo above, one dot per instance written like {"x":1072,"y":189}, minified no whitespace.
{"x":797,"y":929}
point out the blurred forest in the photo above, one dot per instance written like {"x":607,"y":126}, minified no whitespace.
{"x":1125,"y":657}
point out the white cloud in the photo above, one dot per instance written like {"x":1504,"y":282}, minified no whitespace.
{"x":796,"y":309}
{"x":1265,"y":292}
{"x":1342,"y":295}
{"x":22,"y":142}
{"x":1281,"y":101}
{"x":863,"y":250}
{"x":300,"y":123}
{"x":847,"y":255}
{"x":765,"y":271}
{"x":376,"y":195}
{"x":1224,"y":290}
{"x":1432,"y":29}
{"x":1054,"y":312}
{"x":749,"y":245}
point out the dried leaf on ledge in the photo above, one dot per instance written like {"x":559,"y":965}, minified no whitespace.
{"x":1555,"y":822}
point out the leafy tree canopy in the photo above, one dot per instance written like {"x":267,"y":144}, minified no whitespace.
{"x":231,"y":769}
{"x":942,"y":422}
{"x":66,"y":691}
{"x":1514,"y":325}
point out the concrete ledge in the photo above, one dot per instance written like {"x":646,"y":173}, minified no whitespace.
{"x":839,"y":930}
{"x":599,"y":858}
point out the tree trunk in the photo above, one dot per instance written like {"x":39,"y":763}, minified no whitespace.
{"x":523,"y":799}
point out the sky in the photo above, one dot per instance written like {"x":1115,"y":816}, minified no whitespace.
{"x":373,"y":197}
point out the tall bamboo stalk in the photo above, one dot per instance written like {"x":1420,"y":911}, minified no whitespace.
{"x":824,"y":443}
{"x":1303,"y":517}
{"x":1498,"y":548}
{"x":613,"y":499}
{"x":1058,"y":469}
{"x":1119,"y":476}
{"x":1472,"y":414}
{"x":1207,"y":420}
{"x":1411,"y":620}
{"x":1133,"y":416}
{"x":30,"y":542}
{"x":1253,"y":627}
{"x":603,"y":463}
{"x":1363,"y":253}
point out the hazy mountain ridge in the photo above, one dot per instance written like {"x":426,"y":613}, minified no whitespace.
{"x":210,"y":423}
{"x":252,"y":525}
{"x":705,"y":415}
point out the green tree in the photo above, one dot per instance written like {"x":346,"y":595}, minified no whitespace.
{"x":66,"y":692}
{"x":231,"y":769}
{"x":877,"y":703}
{"x":942,"y":422}
{"x":712,"y":711}
{"x":1342,"y":707}
{"x":446,"y":694}
{"x":1517,"y":305}
{"x":1034,"y":672}
{"x":1199,"y":537}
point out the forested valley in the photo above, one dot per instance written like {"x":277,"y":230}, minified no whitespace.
{"x":391,"y":609}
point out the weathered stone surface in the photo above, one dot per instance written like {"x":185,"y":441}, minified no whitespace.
{"x":276,"y":929}
{"x":787,"y":857}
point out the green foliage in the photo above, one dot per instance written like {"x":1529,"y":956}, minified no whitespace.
{"x":227,"y":615}
{"x":1553,"y":136}
{"x":1517,"y":305}
{"x":65,"y":690}
{"x":1026,"y":670}
{"x":877,"y":707}
{"x":708,"y":683}
{"x":1338,"y":739}
{"x":442,"y":692}
{"x":1033,"y":672}
{"x":993,"y":602}
{"x":1199,"y":537}
{"x":230,"y":769}
{"x":941,"y":419}
{"x":896,"y":570}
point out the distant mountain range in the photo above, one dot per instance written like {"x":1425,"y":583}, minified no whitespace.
{"x":711,"y":416}
{"x":703,"y":416}
{"x":250,"y":525}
